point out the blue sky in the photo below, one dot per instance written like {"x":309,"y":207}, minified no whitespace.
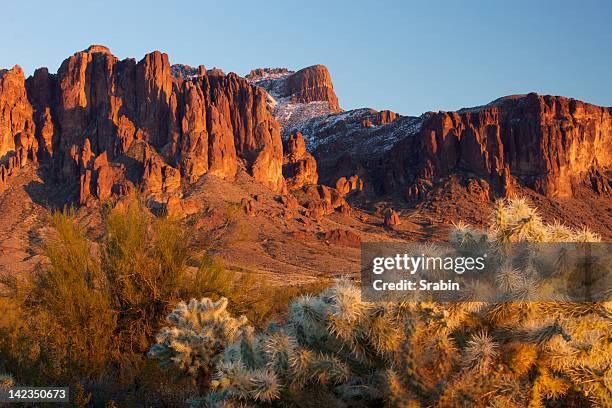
{"x":409,"y":57}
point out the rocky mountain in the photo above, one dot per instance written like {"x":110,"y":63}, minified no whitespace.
{"x":295,"y":97}
{"x":549,"y":144}
{"x":107,"y":126}
{"x":555,"y":149}
{"x":307,"y":175}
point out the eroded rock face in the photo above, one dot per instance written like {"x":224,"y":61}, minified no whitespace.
{"x":349,"y":185}
{"x":320,"y":200}
{"x":600,"y":183}
{"x":547,"y":143}
{"x":299,"y":166}
{"x":312,"y":84}
{"x":18,"y":144}
{"x":106,"y":125}
{"x":40,"y":89}
{"x":392,"y":219}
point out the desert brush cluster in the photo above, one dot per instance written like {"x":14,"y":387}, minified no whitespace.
{"x":334,"y":350}
{"x":87,"y":318}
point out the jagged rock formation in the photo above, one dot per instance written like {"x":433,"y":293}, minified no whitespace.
{"x":380,"y":118}
{"x":547,"y":143}
{"x":351,"y":185}
{"x":320,"y":200}
{"x":17,"y":131}
{"x":108,"y":125}
{"x":310,"y":84}
{"x":300,"y":171}
{"x":391,"y":219}
{"x":295,"y":97}
{"x":354,"y":144}
{"x":299,"y":166}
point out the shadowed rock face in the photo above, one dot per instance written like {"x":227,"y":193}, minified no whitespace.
{"x":106,"y":124}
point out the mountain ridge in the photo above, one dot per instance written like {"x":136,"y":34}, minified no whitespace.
{"x":101,"y":128}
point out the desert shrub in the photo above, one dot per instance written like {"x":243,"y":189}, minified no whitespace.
{"x":335,"y":350}
{"x":264,"y":303}
{"x":87,"y":317}
{"x":89,"y":314}
{"x":247,"y":293}
{"x":147,"y":261}
{"x":63,"y":323}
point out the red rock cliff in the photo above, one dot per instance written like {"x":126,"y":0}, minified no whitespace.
{"x":548,"y":143}
{"x":17,"y":140}
{"x":108,"y":124}
{"x":312,"y":84}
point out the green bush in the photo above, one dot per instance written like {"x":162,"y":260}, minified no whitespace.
{"x":147,"y":260}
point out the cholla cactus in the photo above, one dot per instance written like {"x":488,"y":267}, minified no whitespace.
{"x":480,"y":352}
{"x":540,"y":351}
{"x":515,"y":220}
{"x":199,"y":332}
{"x":334,"y":350}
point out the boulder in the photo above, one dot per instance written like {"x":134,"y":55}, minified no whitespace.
{"x":348,"y":186}
{"x":392,"y":219}
{"x":343,"y":238}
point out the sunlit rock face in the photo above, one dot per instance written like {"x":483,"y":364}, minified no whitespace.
{"x":108,"y":124}
{"x":550,"y":144}
{"x":547,"y":143}
{"x":18,"y":143}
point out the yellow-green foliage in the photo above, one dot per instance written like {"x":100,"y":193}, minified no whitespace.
{"x":91,"y":310}
{"x":147,"y":260}
{"x":64,"y":323}
{"x":89,"y":314}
